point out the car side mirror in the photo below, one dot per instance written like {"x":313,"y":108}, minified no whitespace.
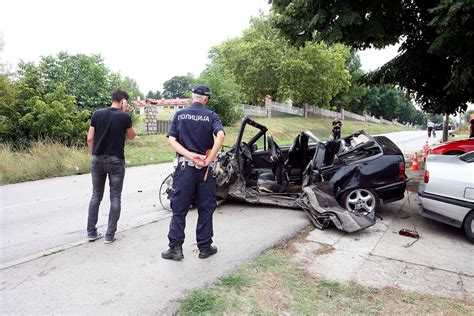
{"x":254,"y":147}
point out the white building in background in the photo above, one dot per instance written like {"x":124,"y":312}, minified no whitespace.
{"x":163,"y":105}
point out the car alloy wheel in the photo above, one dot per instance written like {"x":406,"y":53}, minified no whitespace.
{"x":362,"y":201}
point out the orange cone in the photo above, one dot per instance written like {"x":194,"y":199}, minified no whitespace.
{"x":425,"y":153}
{"x":426,"y":145}
{"x":414,"y":165}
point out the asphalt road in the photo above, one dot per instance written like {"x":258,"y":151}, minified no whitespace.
{"x":412,"y":141}
{"x":48,"y":267}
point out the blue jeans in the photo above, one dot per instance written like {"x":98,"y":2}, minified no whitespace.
{"x":114,"y":167}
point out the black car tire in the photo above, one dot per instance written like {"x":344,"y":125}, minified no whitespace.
{"x":354,"y":199}
{"x":468,"y":226}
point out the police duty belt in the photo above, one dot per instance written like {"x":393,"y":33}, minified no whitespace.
{"x":186,"y":161}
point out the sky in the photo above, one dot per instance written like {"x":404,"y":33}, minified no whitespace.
{"x":149,"y":41}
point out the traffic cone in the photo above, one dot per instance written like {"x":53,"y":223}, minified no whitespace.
{"x":425,"y":153}
{"x":414,"y":165}
{"x":426,"y":144}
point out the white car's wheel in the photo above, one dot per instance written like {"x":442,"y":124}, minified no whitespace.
{"x":469,"y":226}
{"x":363,"y":201}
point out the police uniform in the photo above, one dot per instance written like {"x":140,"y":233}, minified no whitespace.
{"x":193,"y":127}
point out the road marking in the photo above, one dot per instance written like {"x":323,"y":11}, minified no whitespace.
{"x":29,"y":203}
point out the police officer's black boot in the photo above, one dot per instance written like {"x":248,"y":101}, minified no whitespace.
{"x":174,"y":253}
{"x":206,"y":253}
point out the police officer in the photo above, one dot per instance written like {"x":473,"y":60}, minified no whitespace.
{"x":191,"y":135}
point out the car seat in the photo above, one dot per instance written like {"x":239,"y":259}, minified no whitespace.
{"x":277,"y":180}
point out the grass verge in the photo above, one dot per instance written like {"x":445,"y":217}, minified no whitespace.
{"x":272,"y":284}
{"x":47,"y":159}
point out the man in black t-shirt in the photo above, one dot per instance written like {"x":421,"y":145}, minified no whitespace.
{"x":106,"y":141}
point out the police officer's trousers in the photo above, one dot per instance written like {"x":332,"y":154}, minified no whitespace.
{"x":188,"y":182}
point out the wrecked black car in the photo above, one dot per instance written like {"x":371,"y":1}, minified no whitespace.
{"x":336,"y":183}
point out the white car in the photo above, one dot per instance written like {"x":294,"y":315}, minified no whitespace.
{"x":447,"y":191}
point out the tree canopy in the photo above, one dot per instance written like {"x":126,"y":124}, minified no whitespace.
{"x":263,"y":64}
{"x":85,"y":77}
{"x":435,"y":64}
{"x":154,"y":95}
{"x":54,"y":98}
{"x":225,"y":93}
{"x":178,"y":87}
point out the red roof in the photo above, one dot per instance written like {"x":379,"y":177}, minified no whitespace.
{"x":139,"y":103}
{"x":168,"y":101}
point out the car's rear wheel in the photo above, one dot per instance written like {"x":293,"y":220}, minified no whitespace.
{"x":469,"y":226}
{"x":362,"y":201}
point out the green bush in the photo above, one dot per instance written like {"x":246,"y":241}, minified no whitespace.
{"x":55,"y":116}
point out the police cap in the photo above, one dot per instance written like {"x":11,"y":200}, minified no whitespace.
{"x":202,"y":90}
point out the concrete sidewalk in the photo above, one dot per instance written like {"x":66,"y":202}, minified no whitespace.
{"x":440,"y":263}
{"x":129,"y":276}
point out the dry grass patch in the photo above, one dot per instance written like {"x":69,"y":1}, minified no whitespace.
{"x":42,"y":160}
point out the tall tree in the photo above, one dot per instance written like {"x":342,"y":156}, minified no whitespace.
{"x":436,"y":61}
{"x":178,"y":87}
{"x":85,"y":77}
{"x":126,"y":84}
{"x":351,"y":97}
{"x":154,"y":95}
{"x":263,"y":64}
{"x":225,"y":93}
{"x":314,"y":73}
{"x":254,"y":59}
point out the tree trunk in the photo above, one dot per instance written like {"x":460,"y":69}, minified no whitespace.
{"x":445,"y":127}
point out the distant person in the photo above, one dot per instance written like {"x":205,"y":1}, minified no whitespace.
{"x":336,"y":128}
{"x":431,"y":129}
{"x":471,"y":129}
{"x":106,"y":141}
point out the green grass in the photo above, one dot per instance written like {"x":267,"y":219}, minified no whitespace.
{"x":273,"y":284}
{"x":46,"y":159}
{"x":42,"y":160}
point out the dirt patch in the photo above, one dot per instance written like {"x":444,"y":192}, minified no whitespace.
{"x":414,"y":176}
{"x":289,"y":246}
{"x":324,"y":250}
